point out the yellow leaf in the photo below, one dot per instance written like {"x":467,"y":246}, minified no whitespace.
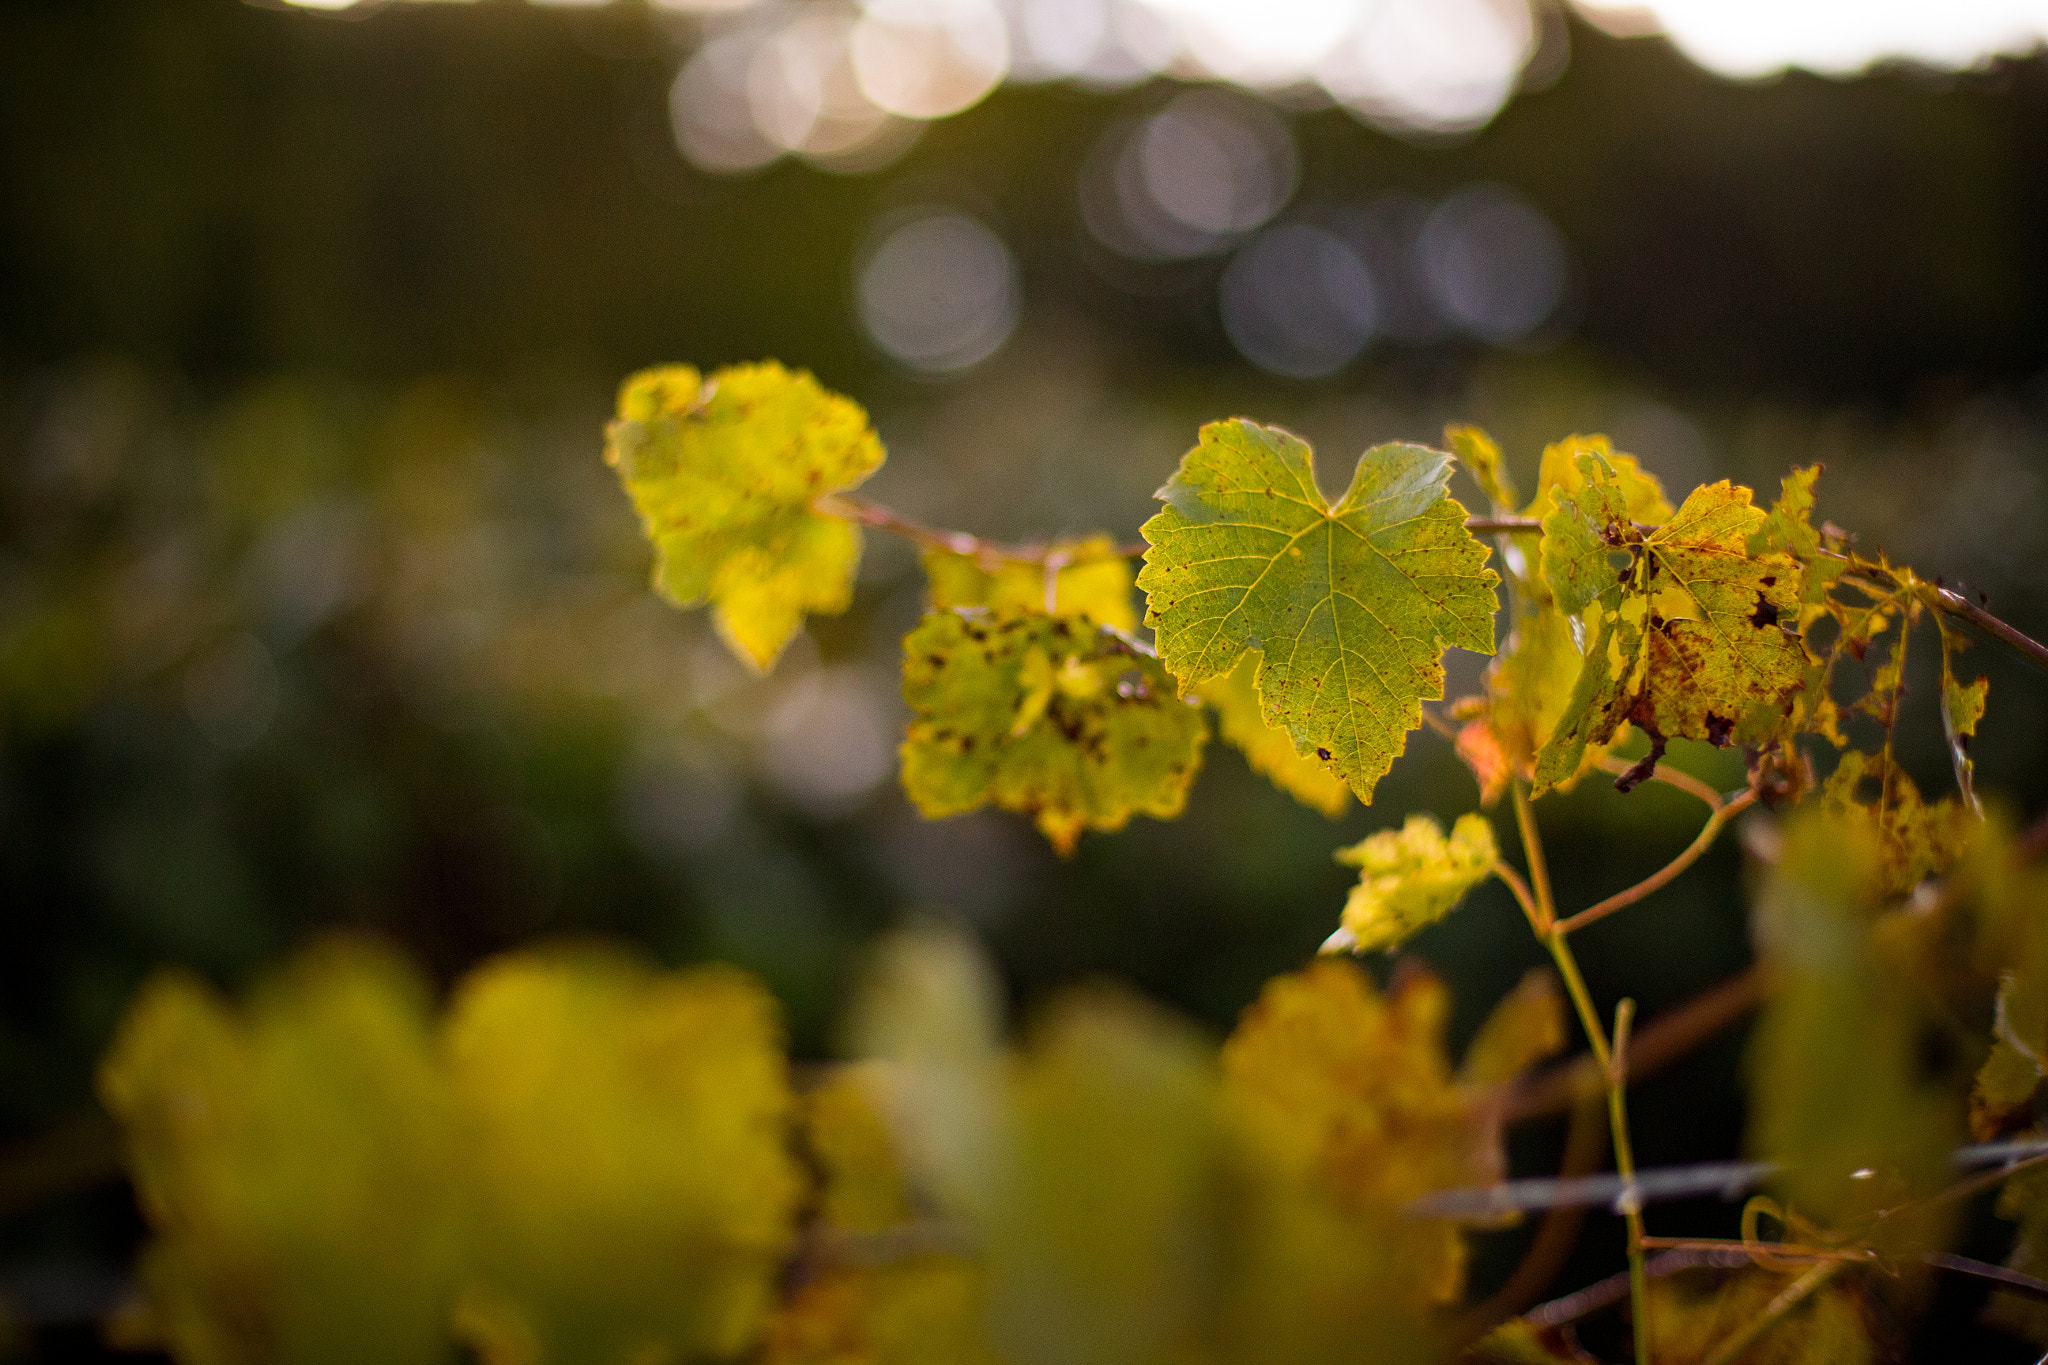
{"x":726,"y":473}
{"x":1689,"y":1321}
{"x":623,"y":1141}
{"x":1480,"y":749}
{"x":1530,"y":686}
{"x":1352,"y":604}
{"x":1560,"y":478}
{"x":925,"y":1310}
{"x":1915,"y":840}
{"x":1093,"y":581}
{"x":1684,"y":623}
{"x":1477,"y":451}
{"x":1350,"y":1090}
{"x":998,"y":714}
{"x":1269,"y":750}
{"x":1526,"y":1027}
{"x":292,"y":1160}
{"x":1411,"y":878}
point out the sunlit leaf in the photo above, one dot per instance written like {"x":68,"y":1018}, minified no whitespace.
{"x":1351,"y":1090}
{"x":925,"y":1310}
{"x":1689,"y":1321}
{"x":1527,"y":1026}
{"x":1412,"y":877}
{"x":1682,"y":623}
{"x":1962,"y":706}
{"x":1044,"y":715}
{"x":1529,"y":688}
{"x":1788,"y":529}
{"x":1092,"y":580}
{"x":725,"y":473}
{"x":1561,"y":477}
{"x":1270,"y":751}
{"x":1838,"y":1084}
{"x":1482,"y":458}
{"x":293,"y":1162}
{"x":1351,"y":604}
{"x":624,"y":1142}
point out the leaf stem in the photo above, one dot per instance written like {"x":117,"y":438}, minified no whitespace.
{"x":1670,"y":777}
{"x":1658,"y":879}
{"x":1613,"y":1075}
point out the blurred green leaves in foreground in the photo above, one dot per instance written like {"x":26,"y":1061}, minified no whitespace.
{"x":586,"y":1159}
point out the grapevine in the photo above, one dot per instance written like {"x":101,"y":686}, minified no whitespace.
{"x":1113,"y":1189}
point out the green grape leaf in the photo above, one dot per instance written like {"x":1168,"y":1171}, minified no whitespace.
{"x":1270,"y":751}
{"x":624,"y":1142}
{"x":1045,"y":715}
{"x":1352,"y":604}
{"x":1690,"y":1321}
{"x":1838,"y":1081}
{"x":726,"y":474}
{"x":1526,"y":1027}
{"x":1684,"y":622}
{"x":1478,"y":453}
{"x":1350,"y":1091}
{"x":1412,"y":877}
{"x":1091,"y":580}
{"x":293,"y":1162}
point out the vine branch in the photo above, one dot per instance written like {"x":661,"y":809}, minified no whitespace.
{"x":1663,"y":876}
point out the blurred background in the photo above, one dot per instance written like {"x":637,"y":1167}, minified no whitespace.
{"x":318,"y":607}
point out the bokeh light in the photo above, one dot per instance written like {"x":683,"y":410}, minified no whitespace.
{"x":1298,"y":302}
{"x":1189,"y":180}
{"x":1495,"y":265}
{"x":938,"y":291}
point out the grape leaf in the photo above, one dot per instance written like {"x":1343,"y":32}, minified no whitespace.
{"x":624,"y":1143}
{"x":726,"y":473}
{"x":1045,"y":715}
{"x":292,"y":1160}
{"x":1350,"y":1090}
{"x":1915,"y":839}
{"x":1529,"y":688}
{"x":1092,"y":580}
{"x":1525,"y":1027}
{"x":1270,"y":751}
{"x":1480,"y":748}
{"x":1560,"y":478}
{"x":1352,"y":604}
{"x":1410,"y":878}
{"x":1477,"y":451}
{"x":1837,"y":1077}
{"x":1962,"y":706}
{"x":1686,"y":640}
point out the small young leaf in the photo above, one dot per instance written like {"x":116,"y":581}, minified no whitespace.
{"x":1477,"y":451}
{"x":1044,"y":715}
{"x":1788,"y":529}
{"x":1525,"y":1027}
{"x":725,"y":473}
{"x":1093,"y":581}
{"x":1269,"y":751}
{"x":1411,"y":878}
{"x":1352,"y":604}
{"x":1685,"y":623}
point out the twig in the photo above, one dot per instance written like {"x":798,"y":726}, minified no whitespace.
{"x":1670,"y":777}
{"x":1656,"y":880}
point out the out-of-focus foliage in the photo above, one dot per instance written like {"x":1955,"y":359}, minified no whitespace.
{"x":725,"y":472}
{"x":1087,"y":578}
{"x":1827,"y":1327}
{"x":1410,"y":878}
{"x":1841,"y":1092}
{"x":589,"y":1163}
{"x":1352,"y":605}
{"x":299,"y":1161}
